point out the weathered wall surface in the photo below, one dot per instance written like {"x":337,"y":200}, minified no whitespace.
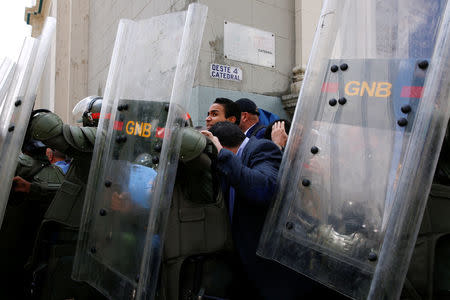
{"x":262,"y":84}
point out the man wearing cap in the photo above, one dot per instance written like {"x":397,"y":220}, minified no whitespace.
{"x":223,"y":110}
{"x":249,"y":123}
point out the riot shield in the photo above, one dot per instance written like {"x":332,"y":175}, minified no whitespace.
{"x":19,"y":103}
{"x":136,"y":153}
{"x":363,"y":146}
{"x":6,"y":72}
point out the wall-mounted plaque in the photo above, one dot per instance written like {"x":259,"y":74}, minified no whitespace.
{"x":248,"y":44}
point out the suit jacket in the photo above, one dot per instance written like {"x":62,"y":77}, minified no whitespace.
{"x":260,"y":133}
{"x":253,"y":176}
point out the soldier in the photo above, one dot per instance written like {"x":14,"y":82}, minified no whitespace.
{"x":34,"y":186}
{"x":143,"y":220}
{"x":196,"y":255}
{"x":194,"y":192}
{"x":51,"y":261}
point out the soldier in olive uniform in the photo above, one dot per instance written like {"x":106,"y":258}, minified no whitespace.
{"x":192,"y":245}
{"x":50,"y":264}
{"x":34,"y":186}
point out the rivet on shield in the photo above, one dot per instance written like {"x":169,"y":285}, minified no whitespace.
{"x":334,"y":68}
{"x":342,"y":101}
{"x":93,"y":250}
{"x":423,"y":64}
{"x":289,"y":225}
{"x":108,"y":183}
{"x":157,"y":147}
{"x":402,"y":122}
{"x":121,"y":139}
{"x":344,"y":67}
{"x":332,"y":102}
{"x":406,"y":109}
{"x":18,"y":103}
{"x":11,"y":128}
{"x":372,"y":256}
{"x":103,"y":212}
{"x":306,"y":182}
{"x":314,"y":150}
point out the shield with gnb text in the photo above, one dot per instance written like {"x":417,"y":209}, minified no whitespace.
{"x":363,"y":146}
{"x":136,"y":153}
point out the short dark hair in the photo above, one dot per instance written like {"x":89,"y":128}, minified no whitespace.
{"x":229,"y":134}
{"x":287,"y":128}
{"x":231,"y":108}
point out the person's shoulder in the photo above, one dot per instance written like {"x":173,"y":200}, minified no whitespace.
{"x":261,"y":131}
{"x":262,"y":144}
{"x":26,"y":160}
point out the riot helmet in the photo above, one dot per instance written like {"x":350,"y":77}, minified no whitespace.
{"x":90,"y":108}
{"x":144,"y":159}
{"x":30,"y":145}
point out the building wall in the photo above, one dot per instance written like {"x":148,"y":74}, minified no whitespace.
{"x":262,"y":84}
{"x":104,"y":21}
{"x":86,"y":31}
{"x":64,"y":81}
{"x":46,"y":91}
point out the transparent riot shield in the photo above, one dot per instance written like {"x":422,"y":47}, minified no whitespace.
{"x":363,"y":146}
{"x":6,"y":72}
{"x":18,"y":105}
{"x":136,"y":153}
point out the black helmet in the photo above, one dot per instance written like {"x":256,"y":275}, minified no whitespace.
{"x":90,"y":107}
{"x":144,"y":159}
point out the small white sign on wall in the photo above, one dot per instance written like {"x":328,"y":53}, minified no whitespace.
{"x":225,"y":72}
{"x":248,"y":44}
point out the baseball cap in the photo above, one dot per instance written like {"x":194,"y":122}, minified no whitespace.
{"x":247,"y":105}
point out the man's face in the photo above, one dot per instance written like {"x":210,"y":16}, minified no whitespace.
{"x":216,"y":113}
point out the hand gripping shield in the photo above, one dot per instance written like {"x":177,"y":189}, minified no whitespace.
{"x":363,"y":146}
{"x":6,"y":72}
{"x":18,"y":104}
{"x":136,"y":153}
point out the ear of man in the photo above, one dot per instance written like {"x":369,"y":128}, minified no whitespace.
{"x":232,"y":119}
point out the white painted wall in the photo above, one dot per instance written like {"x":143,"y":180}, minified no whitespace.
{"x":276,"y":16}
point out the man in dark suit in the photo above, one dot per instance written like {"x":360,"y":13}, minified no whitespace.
{"x":248,"y":170}
{"x":250,"y":124}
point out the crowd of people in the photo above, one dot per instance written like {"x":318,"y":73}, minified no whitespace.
{"x":52,"y":176}
{"x":236,"y":168}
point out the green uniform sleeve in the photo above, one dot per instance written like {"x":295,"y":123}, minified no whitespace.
{"x":46,"y":183}
{"x":71,"y":140}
